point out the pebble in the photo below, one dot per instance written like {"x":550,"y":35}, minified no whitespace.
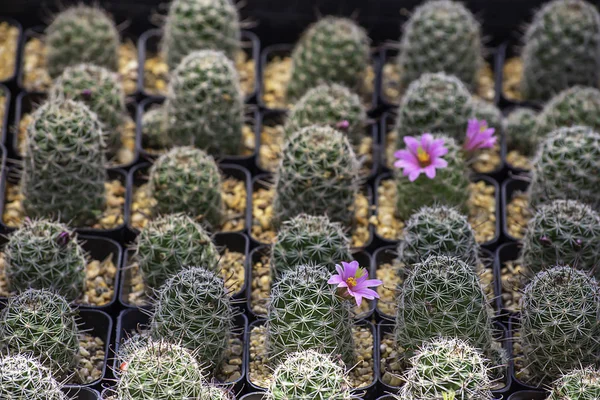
{"x":2,"y":108}
{"x":91,"y":362}
{"x":511,"y":78}
{"x":518,"y":160}
{"x":9,"y":42}
{"x":518,"y":214}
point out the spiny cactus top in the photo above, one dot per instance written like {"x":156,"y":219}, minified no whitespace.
{"x":441,"y":36}
{"x":519,"y":127}
{"x":205,"y":106}
{"x":187,"y":180}
{"x":154,"y":128}
{"x":193,"y":308}
{"x":41,"y":323}
{"x":560,"y":323}
{"x":209,"y":392}
{"x":170,"y":243}
{"x":562,"y":49}
{"x":332,"y":50}
{"x":305,"y":313}
{"x":45,"y":255}
{"x":438,"y":230}
{"x":307,"y":239}
{"x":318,"y":174}
{"x":567,"y":166}
{"x":580,"y":384}
{"x":64,"y":165}
{"x":563,"y":232}
{"x":333,"y":105}
{"x":309,"y":375}
{"x":198,"y":25}
{"x":22,"y":377}
{"x":160,"y":370}
{"x":435,"y":103}
{"x":81,"y":34}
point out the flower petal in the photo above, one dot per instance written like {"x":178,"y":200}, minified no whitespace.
{"x":430,"y":171}
{"x":335,"y":280}
{"x":414,"y":175}
{"x":412,"y":144}
{"x":367,"y":293}
{"x":439,"y":163}
{"x":351,"y":269}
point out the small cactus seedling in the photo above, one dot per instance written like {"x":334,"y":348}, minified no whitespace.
{"x":81,"y":34}
{"x":169,"y":244}
{"x":488,"y":112}
{"x":154,"y":128}
{"x":309,"y":375}
{"x":579,"y":384}
{"x":22,"y":377}
{"x":45,"y":255}
{"x":520,"y":128}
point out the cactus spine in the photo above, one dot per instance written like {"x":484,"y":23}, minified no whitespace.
{"x":22,"y":377}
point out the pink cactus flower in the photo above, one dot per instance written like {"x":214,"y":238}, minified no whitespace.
{"x":421,"y":156}
{"x":479,"y":135}
{"x":355,"y":280}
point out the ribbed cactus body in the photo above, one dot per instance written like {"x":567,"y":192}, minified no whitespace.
{"x":579,"y":384}
{"x":22,"y":377}
{"x":520,"y":130}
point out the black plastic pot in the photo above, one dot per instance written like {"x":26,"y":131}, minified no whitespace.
{"x":27,"y":102}
{"x":4,"y":91}
{"x":252,"y":118}
{"x":264,"y":181}
{"x":509,"y":187}
{"x":82,"y":393}
{"x":138,"y":175}
{"x":501,"y":334}
{"x":367,"y":393}
{"x":262,"y":396}
{"x":504,"y":253}
{"x":513,"y":324}
{"x":134,"y":320}
{"x":528,"y":395}
{"x":490,"y":244}
{"x":149,"y":42}
{"x":363,"y":258}
{"x":285,"y":50}
{"x":11,"y":80}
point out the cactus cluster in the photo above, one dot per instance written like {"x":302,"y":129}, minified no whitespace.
{"x":200,"y":24}
{"x":22,"y":377}
{"x":562,"y":49}
{"x":81,"y":34}
{"x":580,"y":384}
{"x":45,"y":255}
{"x":332,"y":50}
{"x":520,"y":129}
{"x":441,"y":36}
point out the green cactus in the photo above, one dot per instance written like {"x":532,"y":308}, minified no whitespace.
{"x":567,"y":166}
{"x":564,"y":232}
{"x":579,"y":384}
{"x":45,"y":255}
{"x":205,"y":105}
{"x":193,"y":309}
{"x":127,"y":347}
{"x":101,"y":90}
{"x":41,"y":323}
{"x":309,"y":375}
{"x":441,"y":36}
{"x":308,"y":239}
{"x":81,"y":34}
{"x":560,"y":323}
{"x":317,"y":175}
{"x":447,"y":369}
{"x":434,"y":103}
{"x":22,"y":377}
{"x":187,"y":180}
{"x":332,"y":50}
{"x":305,"y":313}
{"x":519,"y":129}
{"x":154,"y":129}
{"x":170,"y":243}
{"x":332,"y":105}
{"x":198,"y":25}
{"x":209,"y":392}
{"x":562,"y":49}
{"x":484,"y":110}
{"x":64,"y":165}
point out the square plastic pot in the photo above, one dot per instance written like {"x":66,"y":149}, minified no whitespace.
{"x":4,"y":91}
{"x":505,"y":252}
{"x":509,"y":188}
{"x":513,"y":324}
{"x":82,"y":393}
{"x":528,"y":395}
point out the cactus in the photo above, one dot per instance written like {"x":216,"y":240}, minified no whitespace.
{"x":187,"y":180}
{"x":332,"y":50}
{"x":435,"y":103}
{"x":450,"y":187}
{"x":519,"y":128}
{"x":441,"y":36}
{"x":45,"y":255}
{"x":564,"y":232}
{"x":567,"y":166}
{"x":332,"y":105}
{"x":559,"y":323}
{"x":205,"y":105}
{"x":318,"y":175}
{"x":154,"y":128}
{"x":198,"y":25}
{"x":22,"y":377}
{"x":447,"y":369}
{"x":170,"y":243}
{"x":209,"y":392}
{"x":308,"y":239}
{"x":64,"y":166}
{"x":41,"y":323}
{"x":81,"y":34}
{"x":484,"y":110}
{"x":101,"y":90}
{"x":309,"y":375}
{"x":160,"y":370}
{"x":562,"y":49}
{"x":305,"y":313}
{"x":580,"y":384}
{"x":194,"y":309}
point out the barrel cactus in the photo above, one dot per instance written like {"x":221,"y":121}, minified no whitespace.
{"x":580,"y":384}
{"x":562,"y":49}
{"x":520,"y":130}
{"x":22,"y":377}
{"x":81,"y":34}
